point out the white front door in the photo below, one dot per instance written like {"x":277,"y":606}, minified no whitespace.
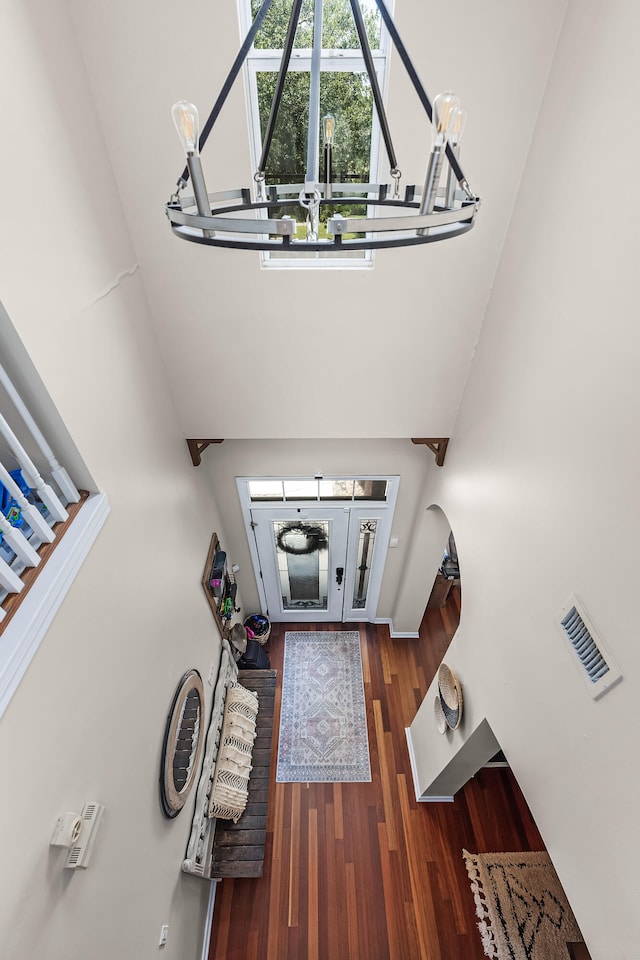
{"x":302,"y":560}
{"x":320,"y":563}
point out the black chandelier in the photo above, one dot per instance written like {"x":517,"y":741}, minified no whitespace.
{"x":232,"y":218}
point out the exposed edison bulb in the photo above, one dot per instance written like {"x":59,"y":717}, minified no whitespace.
{"x":456,"y":127}
{"x":445,"y":106}
{"x":185,"y":117}
{"x":328,"y":128}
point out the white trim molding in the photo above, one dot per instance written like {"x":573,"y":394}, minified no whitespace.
{"x":24,"y":634}
{"x":397,"y":634}
{"x":414,"y":774}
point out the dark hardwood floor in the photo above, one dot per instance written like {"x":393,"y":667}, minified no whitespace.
{"x":361,"y":871}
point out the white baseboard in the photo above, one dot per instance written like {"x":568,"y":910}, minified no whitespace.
{"x":414,"y":774}
{"x":397,"y":634}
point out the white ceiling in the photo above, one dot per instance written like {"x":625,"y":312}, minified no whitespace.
{"x":363,"y":353}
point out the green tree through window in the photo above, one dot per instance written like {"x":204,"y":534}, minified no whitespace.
{"x":345,"y":92}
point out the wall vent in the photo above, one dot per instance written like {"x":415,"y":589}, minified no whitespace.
{"x":594,"y":661}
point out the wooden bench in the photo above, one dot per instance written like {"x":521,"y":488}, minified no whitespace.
{"x":238,"y":848}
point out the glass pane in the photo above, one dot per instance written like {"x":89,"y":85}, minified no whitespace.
{"x":336,"y":489}
{"x":371,"y":489}
{"x":363,"y":569}
{"x":265,"y":489}
{"x":338,"y":28}
{"x":302,"y":551}
{"x":287,"y":156}
{"x":301,"y":489}
{"x":345,"y":95}
{"x":273,"y":32}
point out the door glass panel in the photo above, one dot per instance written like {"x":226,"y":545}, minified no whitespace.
{"x":363,"y":568}
{"x":302,"y":551}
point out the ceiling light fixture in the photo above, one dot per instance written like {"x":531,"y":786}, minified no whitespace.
{"x":233,"y":219}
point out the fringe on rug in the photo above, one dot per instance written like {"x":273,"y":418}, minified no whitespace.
{"x":488,"y":940}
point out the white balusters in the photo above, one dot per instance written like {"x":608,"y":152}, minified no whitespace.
{"x":59,"y":474}
{"x":30,"y":513}
{"x":33,"y":478}
{"x":18,"y":543}
{"x":9,"y":580}
{"x":24,"y":525}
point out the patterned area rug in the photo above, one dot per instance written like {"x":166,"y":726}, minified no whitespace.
{"x":523,"y":911}
{"x":323,"y":724}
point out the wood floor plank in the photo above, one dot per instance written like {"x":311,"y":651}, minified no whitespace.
{"x":385,"y":779}
{"x":312,"y":887}
{"x":421,"y":892}
{"x":294,"y":866}
{"x":352,"y":913}
{"x":361,"y":871}
{"x":337,"y":811}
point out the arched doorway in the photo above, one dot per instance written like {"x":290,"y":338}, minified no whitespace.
{"x":425,"y":564}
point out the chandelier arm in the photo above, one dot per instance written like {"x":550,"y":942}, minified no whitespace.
{"x":228,"y":84}
{"x":373,"y":80}
{"x":415,"y":79}
{"x":313,"y":130}
{"x":282,"y":75}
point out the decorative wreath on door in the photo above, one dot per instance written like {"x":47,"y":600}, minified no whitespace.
{"x":301,"y":539}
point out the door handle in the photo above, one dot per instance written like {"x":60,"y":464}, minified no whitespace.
{"x":339,"y":575}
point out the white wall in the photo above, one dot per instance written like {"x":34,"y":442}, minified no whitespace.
{"x":87,"y":721}
{"x":542,"y":476}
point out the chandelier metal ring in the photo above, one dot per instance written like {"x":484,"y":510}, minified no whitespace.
{"x":260,"y":234}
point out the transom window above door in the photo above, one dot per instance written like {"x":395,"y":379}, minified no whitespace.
{"x":318,"y":489}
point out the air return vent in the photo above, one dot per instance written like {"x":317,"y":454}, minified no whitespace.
{"x":595,"y":663}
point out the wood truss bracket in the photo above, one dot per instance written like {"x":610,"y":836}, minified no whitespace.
{"x":437,"y":445}
{"x":197,"y":447}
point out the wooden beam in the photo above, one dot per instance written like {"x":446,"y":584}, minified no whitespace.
{"x":437,"y":445}
{"x":196,"y":448}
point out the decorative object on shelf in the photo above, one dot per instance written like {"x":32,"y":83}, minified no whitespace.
{"x":450,"y":697}
{"x":438,"y":712}
{"x":230,"y":218}
{"x":183,"y":741}
{"x":220,"y":586}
